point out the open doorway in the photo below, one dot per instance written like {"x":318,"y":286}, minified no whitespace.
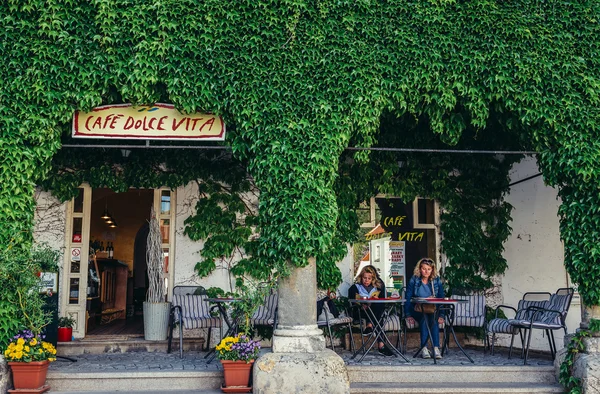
{"x":117,"y":280}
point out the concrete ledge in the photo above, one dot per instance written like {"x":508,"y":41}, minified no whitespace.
{"x":88,"y":346}
{"x":479,"y":388}
{"x":135,"y":381}
{"x":451,"y":374}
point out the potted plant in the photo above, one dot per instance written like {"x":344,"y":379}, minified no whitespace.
{"x":65,"y":328}
{"x":28,"y":357}
{"x":237,"y":355}
{"x":156,"y":310}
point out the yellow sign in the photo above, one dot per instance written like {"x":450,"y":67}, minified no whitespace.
{"x":159,"y":121}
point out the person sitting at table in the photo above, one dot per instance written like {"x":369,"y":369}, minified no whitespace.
{"x":369,"y":285}
{"x":425,"y":283}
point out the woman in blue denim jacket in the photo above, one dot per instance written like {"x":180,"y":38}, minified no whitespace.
{"x":425,"y":283}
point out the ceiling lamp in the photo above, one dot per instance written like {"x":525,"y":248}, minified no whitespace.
{"x":109,"y":220}
{"x":105,"y":215}
{"x":112,"y":224}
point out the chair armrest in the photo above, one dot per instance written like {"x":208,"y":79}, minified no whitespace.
{"x":501,"y":307}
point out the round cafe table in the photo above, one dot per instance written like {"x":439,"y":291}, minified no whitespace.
{"x":390,"y":304}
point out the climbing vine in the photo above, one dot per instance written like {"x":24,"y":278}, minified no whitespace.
{"x":301,"y":80}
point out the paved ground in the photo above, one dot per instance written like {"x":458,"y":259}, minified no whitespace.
{"x":144,"y":361}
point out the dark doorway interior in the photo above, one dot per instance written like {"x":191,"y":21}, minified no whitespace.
{"x":117,"y":279}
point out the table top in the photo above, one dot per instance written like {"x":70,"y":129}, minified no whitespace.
{"x":378,"y":300}
{"x":223,"y":299}
{"x":441,"y":301}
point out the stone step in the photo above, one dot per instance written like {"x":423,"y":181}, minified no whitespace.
{"x":195,"y":391}
{"x":456,"y":387}
{"x":124,"y":345}
{"x":144,"y":381}
{"x":451,"y":373}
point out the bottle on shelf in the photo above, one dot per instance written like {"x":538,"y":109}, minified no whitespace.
{"x":110,"y":250}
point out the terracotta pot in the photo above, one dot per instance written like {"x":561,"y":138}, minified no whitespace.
{"x":65,"y":334}
{"x":31,"y":375}
{"x":237,"y":374}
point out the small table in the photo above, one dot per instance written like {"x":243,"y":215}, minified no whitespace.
{"x":379,"y":324}
{"x":442,"y":304}
{"x":232,"y":323}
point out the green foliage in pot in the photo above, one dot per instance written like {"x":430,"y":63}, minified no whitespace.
{"x":21,"y":307}
{"x":66,"y":322}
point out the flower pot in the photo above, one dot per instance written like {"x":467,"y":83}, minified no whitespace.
{"x":237,"y":376}
{"x":31,"y":375}
{"x":156,"y":320}
{"x":65,"y":334}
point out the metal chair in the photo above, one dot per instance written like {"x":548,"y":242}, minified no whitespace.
{"x":330,"y":320}
{"x":471,"y":313}
{"x":499,"y":325}
{"x":548,"y":317}
{"x":190,"y":310}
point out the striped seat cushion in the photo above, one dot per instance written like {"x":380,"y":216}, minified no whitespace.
{"x":501,"y":326}
{"x":195,"y":311}
{"x":334,"y":321}
{"x":265,"y":314}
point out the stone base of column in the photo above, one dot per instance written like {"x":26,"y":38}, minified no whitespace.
{"x":318,"y":372}
{"x":586,"y":366}
{"x":298,"y":339}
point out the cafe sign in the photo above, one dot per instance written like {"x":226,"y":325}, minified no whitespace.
{"x":159,"y":121}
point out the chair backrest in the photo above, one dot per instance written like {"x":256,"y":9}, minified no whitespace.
{"x":192,"y":306}
{"x":266,"y":313}
{"x":534,"y":298}
{"x":559,"y":301}
{"x":470,"y":313}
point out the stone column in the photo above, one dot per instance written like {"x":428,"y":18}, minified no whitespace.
{"x":299,"y":362}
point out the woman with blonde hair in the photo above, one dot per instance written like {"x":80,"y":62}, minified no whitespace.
{"x":368,"y":284}
{"x":425,"y":283}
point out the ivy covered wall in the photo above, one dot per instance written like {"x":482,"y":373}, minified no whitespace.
{"x":300,"y":81}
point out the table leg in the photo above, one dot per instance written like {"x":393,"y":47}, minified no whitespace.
{"x":450,"y":327}
{"x":430,"y":337}
{"x":231,"y":331}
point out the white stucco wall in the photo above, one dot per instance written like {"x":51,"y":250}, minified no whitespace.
{"x":534,"y":251}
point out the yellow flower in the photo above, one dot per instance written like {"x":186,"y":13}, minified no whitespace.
{"x":6,"y":352}
{"x":26,"y":349}
{"x":19,"y":355}
{"x":33,"y":342}
{"x":19,"y":347}
{"x":20,"y":341}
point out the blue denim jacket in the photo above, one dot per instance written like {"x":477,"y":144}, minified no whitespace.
{"x":412,"y":288}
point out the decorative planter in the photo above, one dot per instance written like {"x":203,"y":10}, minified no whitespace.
{"x":237,"y":376}
{"x":65,"y":334}
{"x":156,"y":320}
{"x":29,"y":376}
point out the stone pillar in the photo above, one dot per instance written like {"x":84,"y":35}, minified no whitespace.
{"x":299,"y":362}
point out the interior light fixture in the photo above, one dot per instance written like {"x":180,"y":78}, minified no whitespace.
{"x":105,"y":215}
{"x":110,"y":220}
{"x":112,"y":224}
